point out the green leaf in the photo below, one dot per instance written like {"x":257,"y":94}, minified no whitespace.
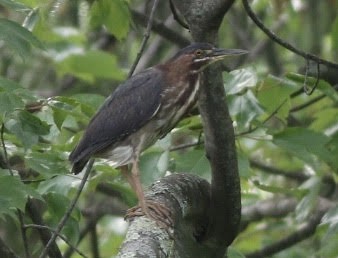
{"x":58,"y":184}
{"x":47,"y":164}
{"x":57,"y":206}
{"x":90,"y":65}
{"x":238,"y":80}
{"x":333,"y":145}
{"x":324,"y":119}
{"x":31,"y":123}
{"x":114,"y":15}
{"x":322,"y":85}
{"x":193,"y":161}
{"x":18,"y":38}
{"x":30,"y":3}
{"x":305,"y":207}
{"x":9,"y":102}
{"x":330,"y":219}
{"x":70,"y":106}
{"x":8,"y":85}
{"x":277,"y":189}
{"x":26,"y":127}
{"x":233,"y":253}
{"x":15,"y":5}
{"x":244,"y":108}
{"x":59,"y":116}
{"x":243,"y":164}
{"x":28,"y":139}
{"x":150,"y":165}
{"x":274,"y":94}
{"x":14,"y":194}
{"x":94,"y":101}
{"x":306,"y":145}
{"x":31,"y":19}
{"x":334,"y":33}
{"x":72,"y":231}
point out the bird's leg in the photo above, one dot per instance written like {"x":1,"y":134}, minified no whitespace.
{"x":125,"y":172}
{"x":136,"y":184}
{"x":149,"y":208}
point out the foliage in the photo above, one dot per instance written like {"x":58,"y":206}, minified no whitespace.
{"x":60,"y":58}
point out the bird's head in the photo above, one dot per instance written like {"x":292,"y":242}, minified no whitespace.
{"x":198,"y":56}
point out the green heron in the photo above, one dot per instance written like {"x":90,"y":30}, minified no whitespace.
{"x":143,"y":109}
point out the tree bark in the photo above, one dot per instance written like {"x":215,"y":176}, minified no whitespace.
{"x":187,"y":196}
{"x":204,"y":19}
{"x":206,"y":217}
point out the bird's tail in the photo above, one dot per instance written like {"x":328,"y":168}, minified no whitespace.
{"x":78,"y":161}
{"x":79,"y":165}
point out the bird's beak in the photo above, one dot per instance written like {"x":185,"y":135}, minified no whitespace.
{"x":220,"y":53}
{"x":217,"y":54}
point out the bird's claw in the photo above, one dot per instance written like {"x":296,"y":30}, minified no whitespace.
{"x":153,"y":210}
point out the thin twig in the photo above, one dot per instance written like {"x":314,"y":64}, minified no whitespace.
{"x":311,"y":90}
{"x":145,"y":38}
{"x":176,"y":16}
{"x":19,"y":212}
{"x":23,"y":233}
{"x":186,"y":145}
{"x":306,"y":104}
{"x":83,"y":232}
{"x":295,"y":175}
{"x":69,"y":211}
{"x":250,"y":130}
{"x":94,"y":242}
{"x":5,"y":149}
{"x":35,"y":213}
{"x":58,"y":234}
{"x":283,"y":43}
{"x":298,"y":92}
{"x":304,"y":232}
{"x":161,"y":29}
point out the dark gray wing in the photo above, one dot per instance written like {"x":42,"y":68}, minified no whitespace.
{"x":125,"y":111}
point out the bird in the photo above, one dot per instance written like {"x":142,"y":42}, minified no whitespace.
{"x":143,"y":109}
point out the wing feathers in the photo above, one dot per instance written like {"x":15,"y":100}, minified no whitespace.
{"x":125,"y":111}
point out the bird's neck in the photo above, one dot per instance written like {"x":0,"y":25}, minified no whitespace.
{"x":181,"y":85}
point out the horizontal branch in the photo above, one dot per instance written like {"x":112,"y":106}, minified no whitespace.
{"x":304,"y":231}
{"x":275,"y":208}
{"x":161,"y":29}
{"x":295,"y":175}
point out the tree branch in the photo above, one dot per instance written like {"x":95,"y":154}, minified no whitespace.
{"x":145,"y":39}
{"x":19,"y":212}
{"x":305,"y":231}
{"x":204,"y":19}
{"x":295,"y":175}
{"x":283,"y":43}
{"x":69,"y":210}
{"x":161,"y":30}
{"x":45,"y":235}
{"x":272,"y":208}
{"x":308,"y":103}
{"x":187,"y":196}
{"x":46,"y":228}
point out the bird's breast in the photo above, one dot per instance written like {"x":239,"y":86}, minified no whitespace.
{"x":177,"y":100}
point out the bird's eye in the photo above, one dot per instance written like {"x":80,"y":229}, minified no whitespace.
{"x":199,"y":53}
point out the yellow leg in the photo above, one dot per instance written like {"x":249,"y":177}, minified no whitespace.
{"x":136,"y":184}
{"x":149,"y":208}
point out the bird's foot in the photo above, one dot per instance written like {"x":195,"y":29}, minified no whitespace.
{"x":153,"y":210}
